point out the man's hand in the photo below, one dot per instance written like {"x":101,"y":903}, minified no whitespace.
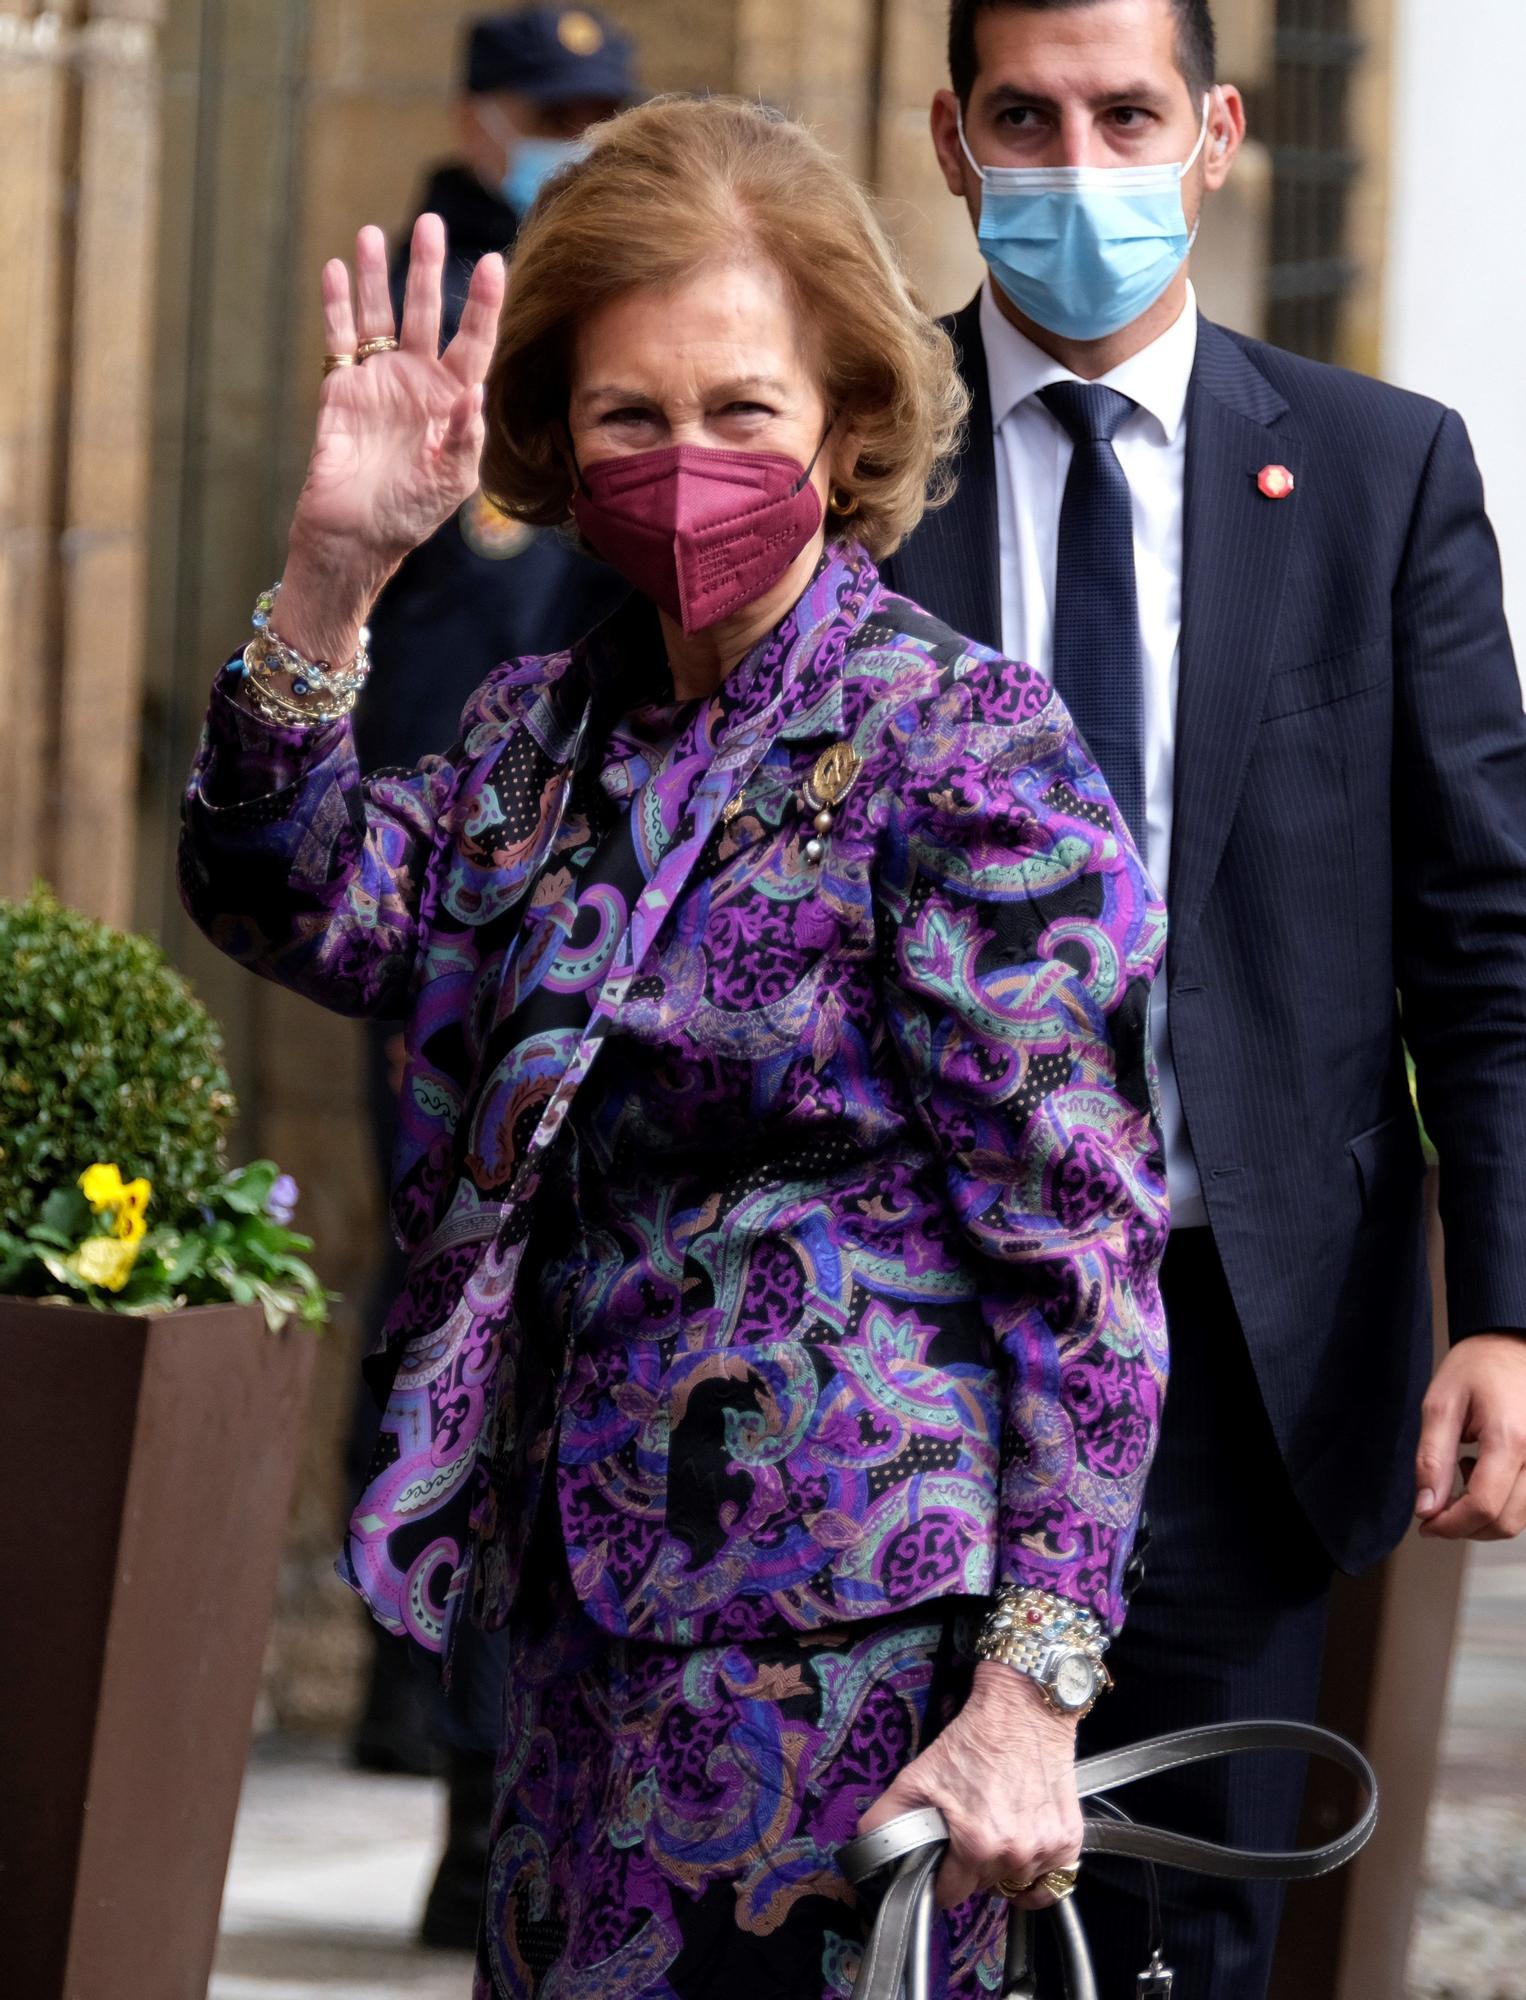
{"x":1003,"y":1774}
{"x":1478,"y":1397}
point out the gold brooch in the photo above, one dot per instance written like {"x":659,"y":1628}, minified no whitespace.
{"x":828,"y":785}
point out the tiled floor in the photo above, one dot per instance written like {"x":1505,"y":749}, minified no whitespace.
{"x":330,"y":1868}
{"x":329,"y":1873}
{"x":1470,"y":1932}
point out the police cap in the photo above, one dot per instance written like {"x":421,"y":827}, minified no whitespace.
{"x":551,"y":54}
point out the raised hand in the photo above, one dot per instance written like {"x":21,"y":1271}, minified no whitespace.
{"x":399,"y":436}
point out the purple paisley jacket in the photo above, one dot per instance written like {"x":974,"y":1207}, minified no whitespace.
{"x":878,"y":1312}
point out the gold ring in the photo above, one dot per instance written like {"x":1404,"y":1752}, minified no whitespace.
{"x":333,"y":361}
{"x":1004,"y":1885}
{"x":1061,"y":1882}
{"x":384,"y":343}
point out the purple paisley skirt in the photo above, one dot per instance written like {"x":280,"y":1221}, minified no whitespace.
{"x":667,"y":1818}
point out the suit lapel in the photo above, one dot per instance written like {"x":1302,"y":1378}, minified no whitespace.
{"x":1236,"y":550}
{"x":950,"y":564}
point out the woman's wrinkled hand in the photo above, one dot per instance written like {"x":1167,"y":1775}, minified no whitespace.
{"x":399,"y":435}
{"x":1003,"y":1776}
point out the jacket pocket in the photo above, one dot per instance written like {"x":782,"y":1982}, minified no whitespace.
{"x":1386,"y":1156}
{"x":818,"y":1481}
{"x":1319,"y":683}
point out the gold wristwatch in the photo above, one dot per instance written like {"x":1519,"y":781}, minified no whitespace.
{"x":1052,"y":1642}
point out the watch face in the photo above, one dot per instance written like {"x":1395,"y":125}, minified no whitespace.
{"x":1074,"y":1681}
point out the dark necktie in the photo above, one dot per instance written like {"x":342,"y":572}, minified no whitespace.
{"x":1098,"y":655}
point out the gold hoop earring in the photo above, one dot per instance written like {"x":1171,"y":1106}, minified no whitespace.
{"x":844,"y":504}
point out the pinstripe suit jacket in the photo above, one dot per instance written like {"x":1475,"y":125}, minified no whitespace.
{"x":1349,"y":839}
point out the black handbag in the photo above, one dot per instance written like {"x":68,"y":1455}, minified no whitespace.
{"x":896,"y":1957}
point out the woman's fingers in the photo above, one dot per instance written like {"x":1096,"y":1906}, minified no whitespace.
{"x":1053,"y":1846}
{"x":421,"y":298}
{"x":987,"y":1856}
{"x":338,"y":313}
{"x":470,"y":352}
{"x":463,"y":413}
{"x":955,"y":1884}
{"x":462,"y":437}
{"x":1003,"y":1776}
{"x":1039,"y":1897}
{"x":374,"y":315}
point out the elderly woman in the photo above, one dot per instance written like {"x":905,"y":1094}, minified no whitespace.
{"x":781,"y":1352}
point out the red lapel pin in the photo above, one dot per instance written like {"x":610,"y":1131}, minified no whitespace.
{"x":1275,"y":481}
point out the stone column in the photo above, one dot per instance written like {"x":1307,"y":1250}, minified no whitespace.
{"x":1368,"y":217}
{"x":103,"y":543}
{"x":926,"y":220}
{"x":78,"y":186}
{"x":35,"y":163}
{"x":1230,"y":256}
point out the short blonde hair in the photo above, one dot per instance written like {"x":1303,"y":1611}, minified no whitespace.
{"x":679,"y":183}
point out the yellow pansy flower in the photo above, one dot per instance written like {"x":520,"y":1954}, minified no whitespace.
{"x":102,"y":1185}
{"x":136,"y":1195}
{"x":103,"y":1261}
{"x":104,"y":1188}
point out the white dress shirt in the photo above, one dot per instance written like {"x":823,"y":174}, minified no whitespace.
{"x":1033,"y":452}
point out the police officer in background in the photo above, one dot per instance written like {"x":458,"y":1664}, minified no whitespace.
{"x":485,"y":588}
{"x":482,"y":589}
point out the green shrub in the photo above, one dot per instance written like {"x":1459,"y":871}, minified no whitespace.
{"x":105,"y":1054}
{"x":114,"y":1108}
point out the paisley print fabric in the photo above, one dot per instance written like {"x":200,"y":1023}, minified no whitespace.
{"x":811,"y":1257}
{"x":667,"y":1820}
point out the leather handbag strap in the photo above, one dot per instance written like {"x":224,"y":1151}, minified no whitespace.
{"x":894,"y":1965}
{"x":895,"y":1960}
{"x":1095,"y":1775}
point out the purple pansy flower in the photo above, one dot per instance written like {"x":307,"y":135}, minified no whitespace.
{"x":281,"y":1202}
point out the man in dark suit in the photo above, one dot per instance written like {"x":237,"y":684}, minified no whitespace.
{"x":1270,"y":594}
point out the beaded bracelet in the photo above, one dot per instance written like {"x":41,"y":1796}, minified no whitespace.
{"x":314,"y":693}
{"x":1024,"y":1624}
{"x":269,"y":705}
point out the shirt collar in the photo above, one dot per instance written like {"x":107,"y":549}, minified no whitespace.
{"x":1157,"y":377}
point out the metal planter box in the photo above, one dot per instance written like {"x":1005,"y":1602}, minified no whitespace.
{"x":149,"y":1469}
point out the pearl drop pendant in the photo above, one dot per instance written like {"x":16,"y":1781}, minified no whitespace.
{"x":831,"y":779}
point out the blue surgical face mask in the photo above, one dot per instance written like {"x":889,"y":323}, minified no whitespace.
{"x":1084,"y":251}
{"x":532,"y":162}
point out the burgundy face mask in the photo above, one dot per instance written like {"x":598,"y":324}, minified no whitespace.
{"x":698,"y":530}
